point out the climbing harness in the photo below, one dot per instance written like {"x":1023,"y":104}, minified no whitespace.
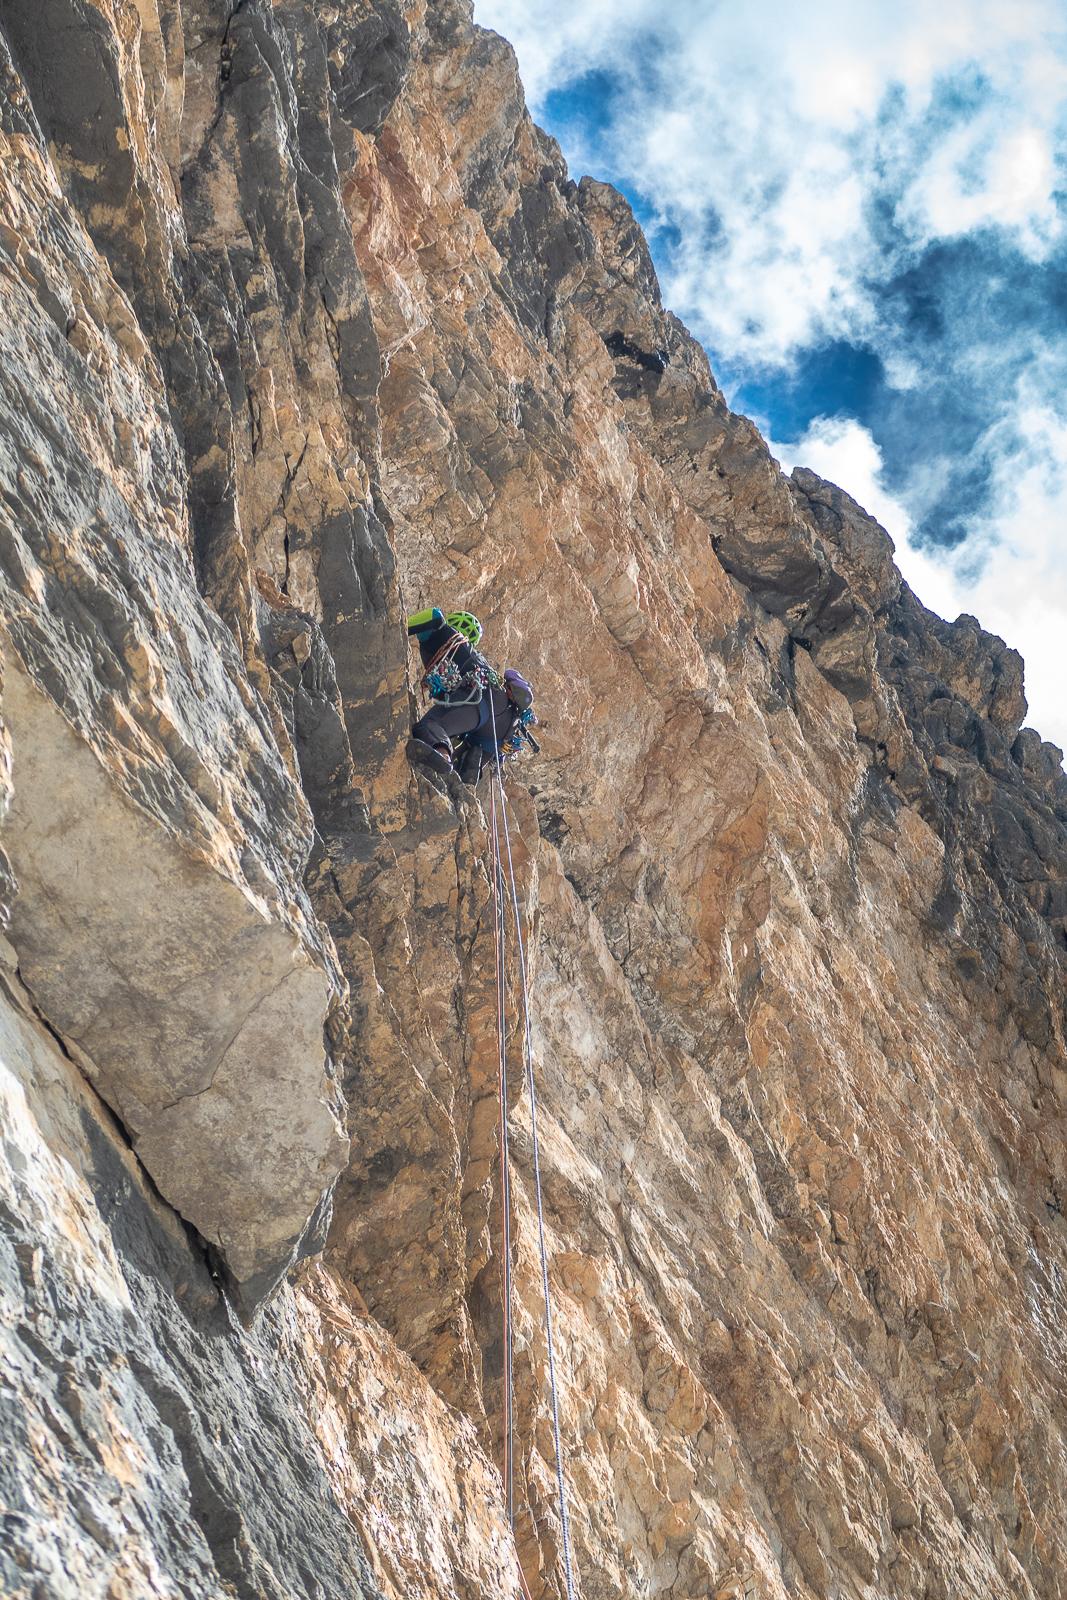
{"x":498,"y":819}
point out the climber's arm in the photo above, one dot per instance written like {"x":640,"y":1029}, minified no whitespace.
{"x":421,"y":622}
{"x":431,"y":632}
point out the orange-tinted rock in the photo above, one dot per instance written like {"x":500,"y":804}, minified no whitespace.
{"x":794,"y":878}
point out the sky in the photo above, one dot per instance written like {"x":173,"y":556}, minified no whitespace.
{"x":861,"y":211}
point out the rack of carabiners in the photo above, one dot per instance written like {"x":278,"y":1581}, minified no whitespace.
{"x":445,"y":676}
{"x":500,"y":830}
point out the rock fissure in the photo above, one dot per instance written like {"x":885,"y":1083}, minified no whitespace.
{"x":21,"y":999}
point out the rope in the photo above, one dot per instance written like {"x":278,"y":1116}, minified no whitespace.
{"x":498,"y":783}
{"x":499,"y":910}
{"x":505,"y":1176}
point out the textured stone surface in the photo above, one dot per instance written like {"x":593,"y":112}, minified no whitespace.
{"x":309,"y":326}
{"x":152,"y":1445}
{"x":158,"y":834}
{"x":198,"y":1018}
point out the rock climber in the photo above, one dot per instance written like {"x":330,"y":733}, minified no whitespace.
{"x":474,"y":713}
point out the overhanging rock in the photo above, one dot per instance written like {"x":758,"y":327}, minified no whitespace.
{"x":197,"y":1015}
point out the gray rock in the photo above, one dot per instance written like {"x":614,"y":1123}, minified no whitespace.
{"x":197,"y":1015}
{"x":148,"y":1443}
{"x":158,"y":836}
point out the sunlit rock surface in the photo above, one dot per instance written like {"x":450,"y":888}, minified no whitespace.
{"x":303,"y":324}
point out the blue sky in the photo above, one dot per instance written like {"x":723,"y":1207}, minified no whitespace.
{"x":861,"y":210}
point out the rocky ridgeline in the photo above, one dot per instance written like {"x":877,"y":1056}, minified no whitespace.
{"x":303,"y":324}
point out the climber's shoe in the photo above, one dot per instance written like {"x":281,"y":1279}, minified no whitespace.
{"x":434,"y":756}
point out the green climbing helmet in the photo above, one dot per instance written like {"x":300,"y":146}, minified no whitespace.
{"x":466,"y":624}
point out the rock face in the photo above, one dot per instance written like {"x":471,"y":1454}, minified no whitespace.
{"x":303,"y":324}
{"x":157,"y":834}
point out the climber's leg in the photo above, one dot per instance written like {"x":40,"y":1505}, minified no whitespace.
{"x":431,"y":737}
{"x":433,"y":756}
{"x":469,"y":765}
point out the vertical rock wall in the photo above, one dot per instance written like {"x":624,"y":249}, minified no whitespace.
{"x":304,"y":324}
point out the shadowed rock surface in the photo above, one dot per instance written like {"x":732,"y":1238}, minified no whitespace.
{"x":304,"y":324}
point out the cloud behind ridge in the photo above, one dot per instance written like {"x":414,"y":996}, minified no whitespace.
{"x":861,"y":212}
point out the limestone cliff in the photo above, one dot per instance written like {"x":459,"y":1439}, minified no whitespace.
{"x":304,"y":324}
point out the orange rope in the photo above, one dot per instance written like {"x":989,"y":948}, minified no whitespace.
{"x":538,"y":1194}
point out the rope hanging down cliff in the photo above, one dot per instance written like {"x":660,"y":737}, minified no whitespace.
{"x":505,"y":1174}
{"x":499,"y":816}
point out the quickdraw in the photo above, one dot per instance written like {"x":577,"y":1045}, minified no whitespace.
{"x":442,"y":680}
{"x":520,"y":737}
{"x":442,"y":669}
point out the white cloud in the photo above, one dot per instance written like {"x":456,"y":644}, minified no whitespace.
{"x":843,"y":452}
{"x":1012,"y":575}
{"x":983,"y":174}
{"x":782,"y":122}
{"x":806,"y":156}
{"x":1021,"y":590}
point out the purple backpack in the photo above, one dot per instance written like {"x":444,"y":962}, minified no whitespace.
{"x":518,"y":690}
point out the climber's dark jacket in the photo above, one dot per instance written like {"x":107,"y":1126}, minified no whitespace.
{"x":434,"y":636}
{"x":473,"y":723}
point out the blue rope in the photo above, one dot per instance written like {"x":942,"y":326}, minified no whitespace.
{"x":505,"y":1166}
{"x":528,"y":1052}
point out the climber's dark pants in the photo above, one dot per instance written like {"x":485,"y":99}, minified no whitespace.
{"x":442,"y":724}
{"x":469,"y":765}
